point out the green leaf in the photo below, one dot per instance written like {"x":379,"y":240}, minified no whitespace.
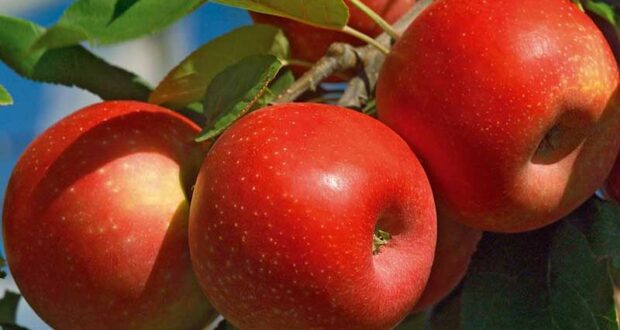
{"x":283,"y":81}
{"x":189,"y":80}
{"x":604,"y":10}
{"x":331,"y":14}
{"x":71,"y":66}
{"x":547,"y":279}
{"x":505,"y":285}
{"x":5,"y":97}
{"x":581,"y":287}
{"x":111,"y":21}
{"x":446,"y":315}
{"x":229,"y":98}
{"x":8,"y":307}
{"x":601,"y":226}
{"x":8,"y":311}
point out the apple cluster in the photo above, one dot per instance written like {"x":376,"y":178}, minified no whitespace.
{"x":498,"y":116}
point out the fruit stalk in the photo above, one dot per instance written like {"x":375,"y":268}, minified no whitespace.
{"x":370,"y":41}
{"x":387,"y":27}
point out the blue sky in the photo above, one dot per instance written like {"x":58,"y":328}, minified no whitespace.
{"x":37,"y":106}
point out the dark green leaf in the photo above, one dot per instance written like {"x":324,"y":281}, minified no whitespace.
{"x":189,"y":80}
{"x":121,"y":7}
{"x":110,"y":21}
{"x":581,"y":287}
{"x":332,"y":14}
{"x":221,"y":325}
{"x":225,"y":325}
{"x":236,"y":90}
{"x":547,"y":279}
{"x":505,"y":287}
{"x":2,"y":266}
{"x":414,"y":322}
{"x":283,"y":81}
{"x":446,"y":315}
{"x":5,"y":97}
{"x":602,"y":228}
{"x":71,"y":66}
{"x":8,"y":310}
{"x":8,"y":326}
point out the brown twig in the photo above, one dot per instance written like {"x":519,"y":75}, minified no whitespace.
{"x":341,"y":57}
{"x":360,"y":88}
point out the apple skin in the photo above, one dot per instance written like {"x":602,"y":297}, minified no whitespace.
{"x":456,"y":244}
{"x":283,"y":215}
{"x":95,"y":221}
{"x":310,"y":43}
{"x":510,"y":105}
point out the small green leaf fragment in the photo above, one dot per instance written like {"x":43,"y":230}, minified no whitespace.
{"x":578,"y":4}
{"x":2,"y":266}
{"x":370,"y":108}
{"x":5,"y":97}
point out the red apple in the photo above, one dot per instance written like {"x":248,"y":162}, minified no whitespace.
{"x":95,"y":221}
{"x":310,"y":43}
{"x":283,"y":216}
{"x":511,"y":106}
{"x":613,"y":183}
{"x":456,"y":245}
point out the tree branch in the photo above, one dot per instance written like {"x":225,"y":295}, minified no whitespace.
{"x":361,"y":87}
{"x":341,"y":57}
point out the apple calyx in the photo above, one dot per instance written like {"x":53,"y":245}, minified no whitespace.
{"x":566,"y":135}
{"x":380,"y":239}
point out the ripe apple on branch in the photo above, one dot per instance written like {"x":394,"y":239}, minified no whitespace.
{"x":498,"y":116}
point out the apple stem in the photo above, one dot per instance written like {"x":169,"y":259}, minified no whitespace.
{"x":380,"y":239}
{"x":387,"y":27}
{"x":353,"y":32}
